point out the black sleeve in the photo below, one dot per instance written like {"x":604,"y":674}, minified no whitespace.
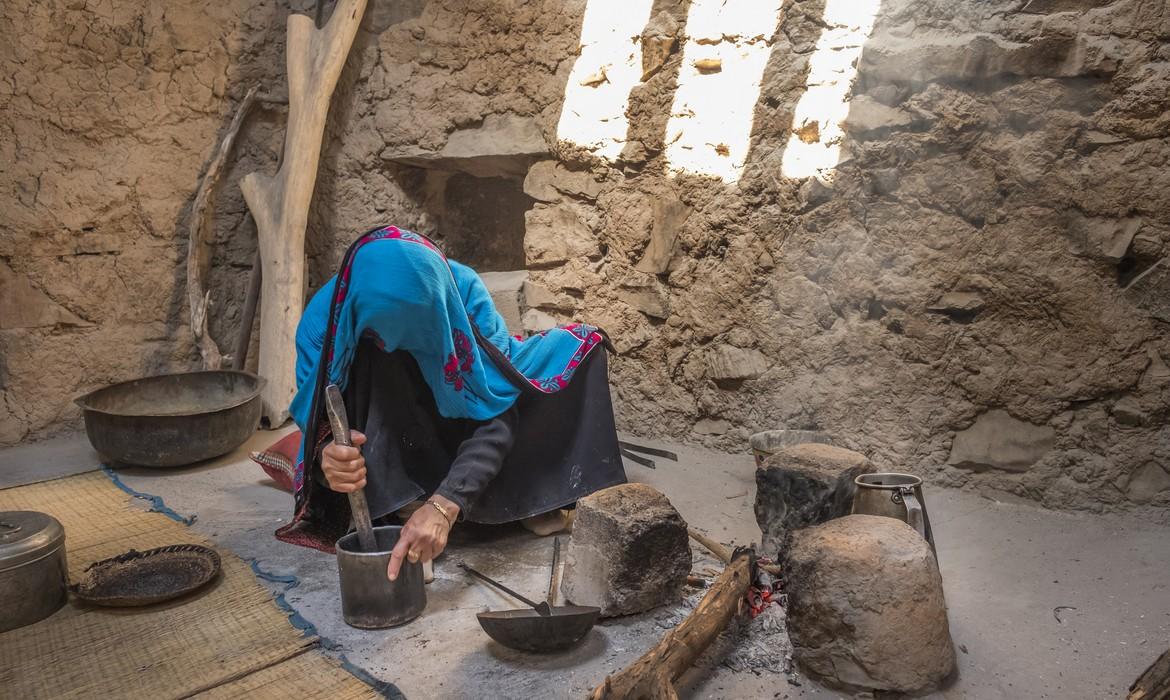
{"x":479,"y":460}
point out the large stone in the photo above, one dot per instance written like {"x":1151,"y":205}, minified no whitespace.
{"x":507,"y":290}
{"x":669,"y":216}
{"x":628,"y":553}
{"x":805,"y":485}
{"x":556,"y":234}
{"x":727,"y":362}
{"x":548,"y":180}
{"x":502,"y":145}
{"x":866,"y":606}
{"x":997,"y":440}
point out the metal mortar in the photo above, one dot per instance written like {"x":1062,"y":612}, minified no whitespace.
{"x":370,"y":600}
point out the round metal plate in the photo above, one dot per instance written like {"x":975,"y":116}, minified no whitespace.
{"x":144,"y":578}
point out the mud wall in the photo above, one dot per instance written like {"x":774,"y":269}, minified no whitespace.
{"x":975,"y":294}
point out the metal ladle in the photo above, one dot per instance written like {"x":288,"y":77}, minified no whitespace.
{"x":541,"y":626}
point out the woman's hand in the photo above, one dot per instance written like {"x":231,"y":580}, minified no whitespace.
{"x":345,"y":467}
{"x":424,"y":536}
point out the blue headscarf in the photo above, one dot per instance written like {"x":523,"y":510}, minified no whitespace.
{"x":404,"y":294}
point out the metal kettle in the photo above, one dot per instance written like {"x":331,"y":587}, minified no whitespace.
{"x":894,"y":496}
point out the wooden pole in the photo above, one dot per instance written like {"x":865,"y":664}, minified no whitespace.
{"x":280,"y":203}
{"x":652,"y":676}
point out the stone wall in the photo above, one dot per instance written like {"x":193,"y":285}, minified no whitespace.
{"x":975,"y":294}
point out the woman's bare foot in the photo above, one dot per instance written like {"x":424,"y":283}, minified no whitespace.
{"x":549,"y":523}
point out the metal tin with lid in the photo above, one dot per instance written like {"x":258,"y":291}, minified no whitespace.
{"x":33,"y":577}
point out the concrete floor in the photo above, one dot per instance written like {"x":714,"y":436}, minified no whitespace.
{"x":1005,"y":567}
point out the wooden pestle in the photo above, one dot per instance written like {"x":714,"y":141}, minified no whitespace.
{"x":339,"y":422}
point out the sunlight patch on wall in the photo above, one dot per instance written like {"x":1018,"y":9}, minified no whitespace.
{"x":814,"y":148}
{"x":727,"y":48}
{"x":610,"y":65}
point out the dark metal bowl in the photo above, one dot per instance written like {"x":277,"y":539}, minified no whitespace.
{"x":173,"y":419}
{"x":528,"y":630}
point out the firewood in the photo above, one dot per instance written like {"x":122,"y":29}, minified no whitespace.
{"x":280,"y":203}
{"x":1154,"y":684}
{"x":198,"y":247}
{"x":652,"y":676}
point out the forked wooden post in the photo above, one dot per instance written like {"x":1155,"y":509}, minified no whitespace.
{"x":280,"y":203}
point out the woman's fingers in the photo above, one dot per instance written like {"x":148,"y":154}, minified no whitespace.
{"x":358,"y":439}
{"x":341,"y":453}
{"x":397,"y":556}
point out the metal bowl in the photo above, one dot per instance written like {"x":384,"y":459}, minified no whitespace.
{"x":527,"y":630}
{"x":173,"y":419}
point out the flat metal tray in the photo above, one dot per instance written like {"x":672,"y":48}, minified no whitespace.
{"x":144,"y":578}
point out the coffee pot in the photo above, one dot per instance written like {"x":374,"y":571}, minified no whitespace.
{"x":893,"y":496}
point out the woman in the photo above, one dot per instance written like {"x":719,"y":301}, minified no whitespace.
{"x":454,"y":418}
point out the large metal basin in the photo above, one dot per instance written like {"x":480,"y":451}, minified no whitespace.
{"x":173,"y":419}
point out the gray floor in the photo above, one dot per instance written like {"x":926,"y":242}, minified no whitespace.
{"x":1006,"y":566}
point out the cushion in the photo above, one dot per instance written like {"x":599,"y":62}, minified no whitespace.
{"x":279,"y":460}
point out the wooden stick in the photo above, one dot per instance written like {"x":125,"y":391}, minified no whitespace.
{"x":1154,"y":683}
{"x":280,"y":203}
{"x":198,"y":248}
{"x":653,"y":675}
{"x":244,"y":339}
{"x":722,"y":553}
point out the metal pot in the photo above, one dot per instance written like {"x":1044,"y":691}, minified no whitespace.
{"x":369,"y":599}
{"x":173,"y":419}
{"x":33,"y":577}
{"x":894,"y":496}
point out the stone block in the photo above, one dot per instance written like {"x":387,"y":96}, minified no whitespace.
{"x":507,"y":290}
{"x":727,"y":362}
{"x":998,"y":440}
{"x":502,"y":145}
{"x":866,"y":606}
{"x":629,"y":551}
{"x":555,"y":234}
{"x":805,"y":485}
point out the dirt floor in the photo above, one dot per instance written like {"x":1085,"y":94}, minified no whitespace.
{"x":1006,"y":568}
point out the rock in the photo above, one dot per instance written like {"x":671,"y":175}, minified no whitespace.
{"x":507,"y":290}
{"x":629,"y":551}
{"x":814,"y":192}
{"x":805,"y":485}
{"x":669,"y":216}
{"x":1147,"y":483}
{"x":769,"y":442}
{"x":1103,"y":238}
{"x":867,"y":114}
{"x":24,"y":306}
{"x":538,"y":296}
{"x":866,"y":606}
{"x":503,"y":144}
{"x":535,"y":321}
{"x":659,"y":41}
{"x":960,"y":306}
{"x":649,"y":301}
{"x":555,"y":234}
{"x":1157,"y":371}
{"x":1128,"y":411}
{"x":709,"y":426}
{"x":997,"y":440}
{"x":548,"y":181}
{"x":727,"y":362}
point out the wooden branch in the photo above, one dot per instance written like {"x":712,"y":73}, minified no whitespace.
{"x":652,"y":676}
{"x":198,"y":247}
{"x":1154,"y":684}
{"x":280,"y":203}
{"x":248,"y":317}
{"x":722,"y":553}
